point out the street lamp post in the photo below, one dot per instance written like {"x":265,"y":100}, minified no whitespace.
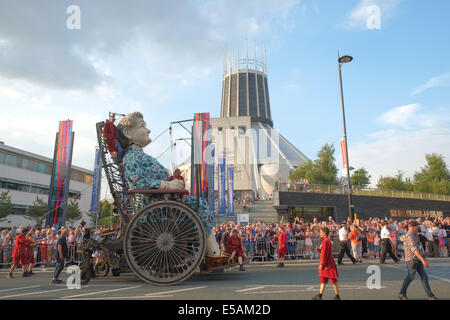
{"x":342,"y":60}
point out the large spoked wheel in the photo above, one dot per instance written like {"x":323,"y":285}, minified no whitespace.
{"x":164,"y":243}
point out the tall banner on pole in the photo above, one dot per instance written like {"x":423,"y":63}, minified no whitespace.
{"x":231,"y":191}
{"x":201,"y":140}
{"x":221,"y":187}
{"x":344,"y":154}
{"x":60,"y":180}
{"x":96,"y":186}
{"x":211,"y":177}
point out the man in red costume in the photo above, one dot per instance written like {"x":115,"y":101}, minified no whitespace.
{"x":110,"y":135}
{"x":327,"y":267}
{"x":20,"y":253}
{"x":234,"y":247}
{"x":282,"y":246}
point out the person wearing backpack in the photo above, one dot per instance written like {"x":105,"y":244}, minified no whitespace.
{"x":356,"y":241}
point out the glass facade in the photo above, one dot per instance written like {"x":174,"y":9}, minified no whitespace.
{"x":406,"y":213}
{"x":309,"y":213}
{"x":27,"y":187}
{"x":26,"y":163}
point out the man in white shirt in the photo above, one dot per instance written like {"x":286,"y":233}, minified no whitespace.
{"x":343,"y":242}
{"x":386,"y":246}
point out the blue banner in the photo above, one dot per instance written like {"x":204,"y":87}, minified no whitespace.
{"x":97,"y":182}
{"x":230,"y":191}
{"x":222,"y":203}
{"x":211,"y":179}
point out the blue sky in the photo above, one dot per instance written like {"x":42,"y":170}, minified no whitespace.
{"x":165,"y":60}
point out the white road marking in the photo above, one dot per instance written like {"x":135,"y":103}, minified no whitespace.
{"x":30,"y":293}
{"x":250,"y":289}
{"x":172,"y":291}
{"x":20,"y":288}
{"x":99,"y":292}
{"x":129,"y":297}
{"x":430,"y":275}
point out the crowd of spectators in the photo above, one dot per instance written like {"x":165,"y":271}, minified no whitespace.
{"x":44,"y":243}
{"x":292,"y":185}
{"x":259,"y":240}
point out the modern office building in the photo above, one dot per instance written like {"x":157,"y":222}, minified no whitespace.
{"x":27,"y":175}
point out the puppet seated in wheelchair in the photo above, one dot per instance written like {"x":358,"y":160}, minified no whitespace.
{"x":145,"y":172}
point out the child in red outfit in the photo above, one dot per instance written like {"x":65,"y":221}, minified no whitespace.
{"x":327,"y":267}
{"x":20,"y":254}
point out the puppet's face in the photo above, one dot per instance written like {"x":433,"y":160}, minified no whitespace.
{"x":139,"y":134}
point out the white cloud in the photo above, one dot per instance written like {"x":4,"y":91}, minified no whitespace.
{"x":11,"y":93}
{"x":439,"y":81}
{"x":411,"y":134}
{"x":400,"y":116}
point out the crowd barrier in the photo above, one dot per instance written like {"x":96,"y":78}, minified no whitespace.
{"x":44,"y":255}
{"x":264,"y":249}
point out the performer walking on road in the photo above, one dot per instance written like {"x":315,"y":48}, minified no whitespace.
{"x":415,"y":261}
{"x":386,"y":244}
{"x":20,"y":253}
{"x":343,"y":242}
{"x":327,"y":267}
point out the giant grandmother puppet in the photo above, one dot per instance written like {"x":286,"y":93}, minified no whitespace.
{"x":145,"y":172}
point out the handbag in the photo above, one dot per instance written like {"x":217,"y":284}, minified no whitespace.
{"x":436,"y":239}
{"x":441,"y":242}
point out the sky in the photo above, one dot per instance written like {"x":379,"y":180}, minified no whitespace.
{"x":165,"y":59}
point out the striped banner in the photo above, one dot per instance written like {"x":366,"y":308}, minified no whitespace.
{"x":231,"y":191}
{"x":59,"y":184}
{"x":199,"y":174}
{"x":221,"y":187}
{"x":211,"y":177}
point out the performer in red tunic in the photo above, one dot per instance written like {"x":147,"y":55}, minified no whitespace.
{"x":234,"y":248}
{"x":20,"y":253}
{"x":110,"y":134}
{"x":282,"y":246}
{"x":327,"y":267}
{"x":30,"y":252}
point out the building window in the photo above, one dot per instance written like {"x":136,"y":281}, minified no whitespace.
{"x":11,"y":160}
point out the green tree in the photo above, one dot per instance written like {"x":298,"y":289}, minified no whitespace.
{"x":73,"y":211}
{"x":322,"y":171}
{"x":37,"y":211}
{"x":6,"y":207}
{"x":434,"y":177}
{"x":397,"y":182}
{"x":105,"y":209}
{"x":360,"y":178}
{"x":324,"y":167}
{"x":304,"y":171}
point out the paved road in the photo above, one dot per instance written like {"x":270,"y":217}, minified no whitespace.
{"x":298,"y":280}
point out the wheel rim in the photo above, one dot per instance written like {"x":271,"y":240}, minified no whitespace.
{"x":165,"y":243}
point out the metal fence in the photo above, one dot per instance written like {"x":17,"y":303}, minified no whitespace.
{"x":335,"y":189}
{"x":264,"y":249}
{"x":44,"y":255}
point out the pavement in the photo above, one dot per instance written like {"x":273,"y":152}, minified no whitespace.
{"x":298,"y":280}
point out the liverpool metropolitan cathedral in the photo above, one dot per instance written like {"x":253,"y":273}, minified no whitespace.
{"x":243,"y":134}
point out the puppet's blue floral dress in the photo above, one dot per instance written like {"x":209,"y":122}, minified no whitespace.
{"x":145,"y":172}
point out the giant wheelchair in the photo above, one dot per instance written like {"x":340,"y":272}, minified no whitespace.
{"x":163,"y":243}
